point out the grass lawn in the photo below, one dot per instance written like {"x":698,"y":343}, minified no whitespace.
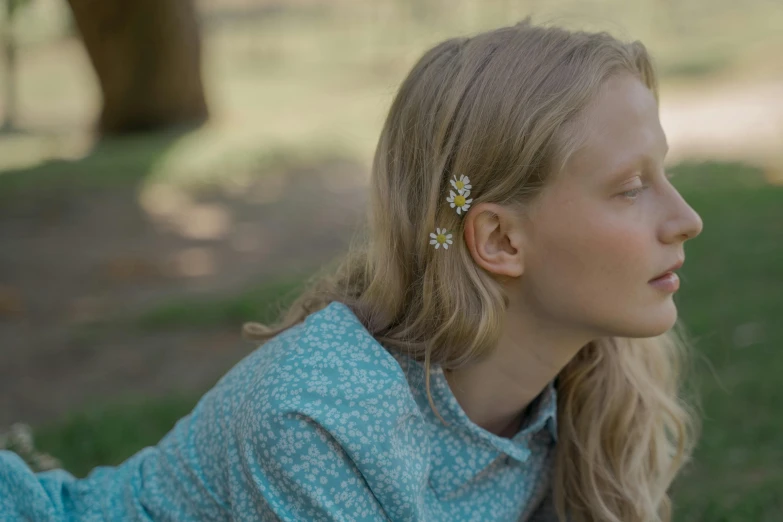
{"x":732,"y":299}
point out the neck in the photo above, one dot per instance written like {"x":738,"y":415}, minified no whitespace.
{"x":495,"y":391}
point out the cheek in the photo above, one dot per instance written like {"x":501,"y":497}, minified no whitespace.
{"x":593,"y":262}
{"x":594,"y":246}
{"x":588,"y":267}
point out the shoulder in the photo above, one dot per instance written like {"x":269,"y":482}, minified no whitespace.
{"x":330,"y":370}
{"x":330,"y":362}
{"x":331,"y":406}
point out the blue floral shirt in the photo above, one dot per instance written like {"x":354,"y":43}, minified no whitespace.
{"x":320,"y":423}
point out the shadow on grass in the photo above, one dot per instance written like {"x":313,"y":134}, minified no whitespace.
{"x":161,"y":222}
{"x":111,"y":162}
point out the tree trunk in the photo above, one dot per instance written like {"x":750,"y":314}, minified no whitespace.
{"x":147,"y":56}
{"x":9,"y":52}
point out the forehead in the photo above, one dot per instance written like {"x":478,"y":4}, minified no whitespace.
{"x":620,"y":128}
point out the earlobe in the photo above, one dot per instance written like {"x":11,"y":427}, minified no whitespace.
{"x":494,"y":239}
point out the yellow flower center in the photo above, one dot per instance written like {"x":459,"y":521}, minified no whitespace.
{"x":459,"y":200}
{"x":460,"y":185}
{"x":441,"y":238}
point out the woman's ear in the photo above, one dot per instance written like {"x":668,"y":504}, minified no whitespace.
{"x":495,"y":237}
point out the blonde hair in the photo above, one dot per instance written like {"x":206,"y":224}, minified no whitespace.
{"x":502,"y":108}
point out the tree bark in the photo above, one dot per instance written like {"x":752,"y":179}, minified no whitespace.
{"x":9,"y":52}
{"x":147,"y":56}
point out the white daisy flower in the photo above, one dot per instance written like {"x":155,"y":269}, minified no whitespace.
{"x":459,"y":201}
{"x":462,"y":184}
{"x":440,"y":237}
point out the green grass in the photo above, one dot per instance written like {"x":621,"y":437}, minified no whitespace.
{"x":732,"y":300}
{"x":113,"y":161}
{"x":262,"y":303}
{"x":733,"y":278}
{"x":108,"y":435}
{"x":188,"y":159}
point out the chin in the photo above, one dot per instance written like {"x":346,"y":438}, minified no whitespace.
{"x":657,"y":321}
{"x":648,"y":322}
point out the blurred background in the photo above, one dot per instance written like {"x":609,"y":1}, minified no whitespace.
{"x":172,"y":168}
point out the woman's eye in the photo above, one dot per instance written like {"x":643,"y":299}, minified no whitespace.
{"x":631,"y":194}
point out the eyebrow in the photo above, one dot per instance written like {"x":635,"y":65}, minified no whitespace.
{"x":626,"y":168}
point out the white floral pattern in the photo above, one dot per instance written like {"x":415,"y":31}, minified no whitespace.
{"x":321,"y":423}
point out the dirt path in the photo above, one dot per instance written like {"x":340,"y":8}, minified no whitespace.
{"x":740,"y":122}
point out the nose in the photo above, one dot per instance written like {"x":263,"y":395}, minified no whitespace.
{"x":684,"y":223}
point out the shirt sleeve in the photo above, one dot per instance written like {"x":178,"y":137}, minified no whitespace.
{"x":22,"y":496}
{"x":289,"y":467}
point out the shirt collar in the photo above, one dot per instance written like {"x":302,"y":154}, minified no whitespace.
{"x":543,"y":412}
{"x":542,"y":416}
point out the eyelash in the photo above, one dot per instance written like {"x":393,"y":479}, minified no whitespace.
{"x":633,"y":192}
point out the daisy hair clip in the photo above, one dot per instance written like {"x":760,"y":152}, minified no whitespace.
{"x":457,"y":200}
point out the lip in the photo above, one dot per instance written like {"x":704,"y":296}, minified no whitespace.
{"x":668,"y":283}
{"x":670,"y":270}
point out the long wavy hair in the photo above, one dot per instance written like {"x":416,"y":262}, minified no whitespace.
{"x":503,"y":107}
